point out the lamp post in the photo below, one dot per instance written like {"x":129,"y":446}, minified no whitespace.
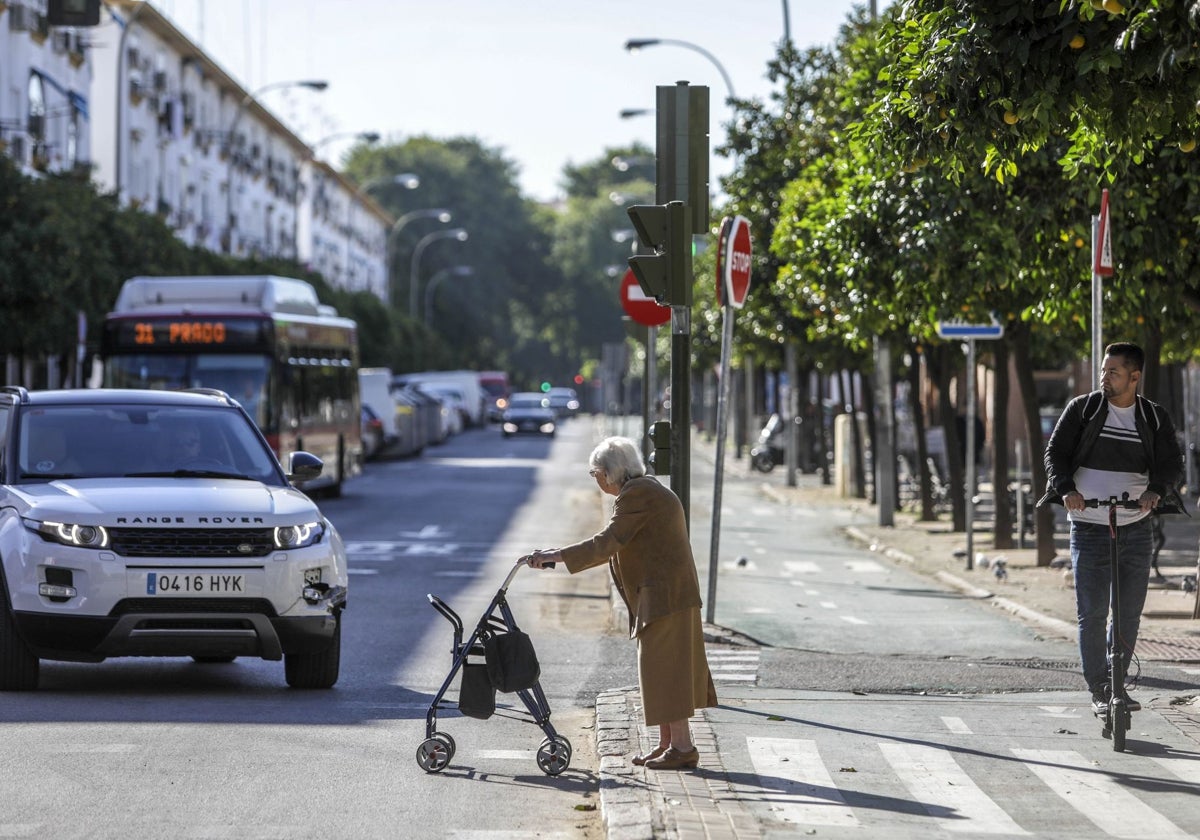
{"x":414,"y":273}
{"x":407,"y":180}
{"x":629,"y":113}
{"x":635,"y":44}
{"x":438,"y":277}
{"x":440,"y":213}
{"x":311,"y":84}
{"x":364,"y":136}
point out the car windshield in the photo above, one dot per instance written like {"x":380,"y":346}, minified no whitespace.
{"x":528,"y":401}
{"x":118,"y":440}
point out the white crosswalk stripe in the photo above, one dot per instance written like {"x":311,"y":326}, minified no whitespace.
{"x":797,"y":786}
{"x":1100,"y":797}
{"x":946,"y":792}
{"x":738,"y":665}
{"x":816,"y":800}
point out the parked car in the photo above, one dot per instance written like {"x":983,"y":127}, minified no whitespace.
{"x":564,"y":401}
{"x":372,"y":432}
{"x":528,"y":413}
{"x":159,"y":523}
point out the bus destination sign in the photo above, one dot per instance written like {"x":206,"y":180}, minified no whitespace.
{"x":162,"y":333}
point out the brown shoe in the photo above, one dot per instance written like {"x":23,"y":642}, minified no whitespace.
{"x":673,"y":759}
{"x":639,"y":760}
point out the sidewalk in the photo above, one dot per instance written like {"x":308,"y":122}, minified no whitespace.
{"x":639,"y":804}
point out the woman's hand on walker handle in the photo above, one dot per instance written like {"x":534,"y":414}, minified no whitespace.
{"x":541,"y":559}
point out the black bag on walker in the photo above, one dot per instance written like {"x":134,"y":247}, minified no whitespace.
{"x":476,"y":695}
{"x":512,"y":664}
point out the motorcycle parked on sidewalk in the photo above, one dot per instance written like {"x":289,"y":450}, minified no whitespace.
{"x":769,"y":450}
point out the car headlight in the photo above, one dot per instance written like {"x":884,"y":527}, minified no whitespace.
{"x":66,"y":533}
{"x":299,"y":536}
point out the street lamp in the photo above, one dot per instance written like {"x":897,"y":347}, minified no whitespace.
{"x":635,"y":44}
{"x":440,"y":213}
{"x":627,"y":113}
{"x":311,"y":84}
{"x":364,"y":136}
{"x":453,"y":271}
{"x":414,"y":275}
{"x":407,"y":180}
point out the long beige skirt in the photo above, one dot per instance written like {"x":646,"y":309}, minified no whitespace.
{"x":672,"y":668}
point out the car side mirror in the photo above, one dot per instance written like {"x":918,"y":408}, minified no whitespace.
{"x":303,"y":466}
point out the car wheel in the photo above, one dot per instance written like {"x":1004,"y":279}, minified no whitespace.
{"x":18,"y":666}
{"x":315,"y":670}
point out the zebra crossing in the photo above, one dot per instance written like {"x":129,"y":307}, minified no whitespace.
{"x":915,"y":787}
{"x":733,"y":665}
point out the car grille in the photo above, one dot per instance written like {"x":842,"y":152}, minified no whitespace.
{"x":127,"y":606}
{"x":192,"y":542}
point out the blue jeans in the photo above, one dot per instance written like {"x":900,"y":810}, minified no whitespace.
{"x":1090,"y":547}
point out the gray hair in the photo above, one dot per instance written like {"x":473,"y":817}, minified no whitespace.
{"x":619,"y":459}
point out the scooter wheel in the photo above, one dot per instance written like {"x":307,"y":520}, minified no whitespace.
{"x":763,"y":462}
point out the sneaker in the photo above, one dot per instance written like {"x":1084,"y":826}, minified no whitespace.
{"x":1100,"y":703}
{"x":1130,"y":704}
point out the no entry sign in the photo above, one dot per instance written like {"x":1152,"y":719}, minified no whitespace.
{"x":733,"y":261}
{"x":642,"y":309}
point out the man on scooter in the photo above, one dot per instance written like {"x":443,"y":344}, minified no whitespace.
{"x":1107,"y":443}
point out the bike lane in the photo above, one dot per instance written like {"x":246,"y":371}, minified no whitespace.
{"x":779,"y":761}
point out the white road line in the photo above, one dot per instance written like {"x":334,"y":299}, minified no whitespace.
{"x":946,"y":792}
{"x":800,"y":567}
{"x":851,"y":619}
{"x":1190,"y":670}
{"x":816,"y":800}
{"x":829,"y":605}
{"x":865,"y":566}
{"x":354,"y":571}
{"x":1097,"y":795}
{"x":722,"y":677}
{"x":1058,"y":712}
{"x":724,"y":668}
{"x":957,"y":725}
{"x":1187,"y":769}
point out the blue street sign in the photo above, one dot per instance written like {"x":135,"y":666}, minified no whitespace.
{"x":960,"y":329}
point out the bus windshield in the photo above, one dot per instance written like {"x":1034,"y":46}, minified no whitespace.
{"x":242,"y":376}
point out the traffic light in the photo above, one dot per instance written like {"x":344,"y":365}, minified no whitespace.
{"x":665,"y":274}
{"x":660,"y":436}
{"x":579,"y":379}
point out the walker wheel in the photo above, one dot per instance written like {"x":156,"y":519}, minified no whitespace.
{"x":435,"y":753}
{"x":554,"y":755}
{"x":445,"y":737}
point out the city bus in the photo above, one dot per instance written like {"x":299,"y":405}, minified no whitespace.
{"x":266,"y":341}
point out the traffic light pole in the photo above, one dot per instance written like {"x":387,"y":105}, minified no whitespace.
{"x":681,"y":407}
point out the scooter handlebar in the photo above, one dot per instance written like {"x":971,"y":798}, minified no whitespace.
{"x":1112,"y":501}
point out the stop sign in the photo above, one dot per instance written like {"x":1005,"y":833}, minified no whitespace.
{"x":639,"y":306}
{"x":734,"y":260}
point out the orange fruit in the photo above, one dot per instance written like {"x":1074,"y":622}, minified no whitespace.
{"x":1078,"y":42}
{"x":1010,"y":118}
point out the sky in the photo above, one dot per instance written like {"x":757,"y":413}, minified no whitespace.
{"x":542,"y":82}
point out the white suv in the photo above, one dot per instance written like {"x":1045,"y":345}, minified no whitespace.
{"x":157,"y":523}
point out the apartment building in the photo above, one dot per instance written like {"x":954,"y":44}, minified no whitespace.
{"x":158,"y":122}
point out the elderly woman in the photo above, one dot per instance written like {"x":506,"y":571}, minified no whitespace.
{"x":649,"y":555}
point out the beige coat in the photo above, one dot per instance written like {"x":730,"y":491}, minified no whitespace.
{"x":647,"y":548}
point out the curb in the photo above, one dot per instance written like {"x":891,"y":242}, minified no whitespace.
{"x":1053,"y":625}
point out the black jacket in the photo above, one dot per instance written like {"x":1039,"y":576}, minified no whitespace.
{"x":1079,"y":427}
